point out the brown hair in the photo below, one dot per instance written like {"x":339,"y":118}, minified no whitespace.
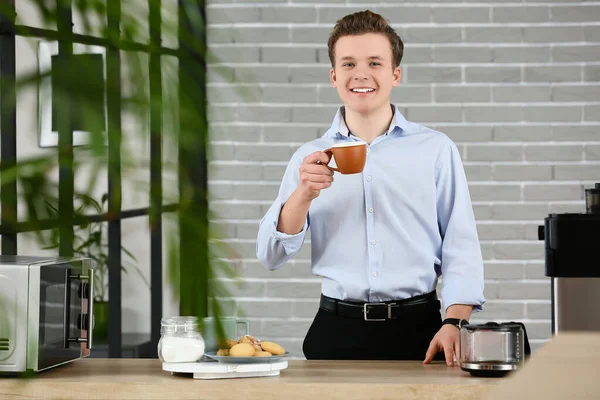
{"x":365,"y":22}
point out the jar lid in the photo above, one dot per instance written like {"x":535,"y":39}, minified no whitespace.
{"x":494,"y":327}
{"x":178,"y":324}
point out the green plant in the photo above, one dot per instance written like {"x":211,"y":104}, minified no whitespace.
{"x":90,"y":241}
{"x":195,"y":253}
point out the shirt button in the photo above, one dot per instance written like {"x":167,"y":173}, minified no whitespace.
{"x":368,"y":149}
{"x":373,"y":242}
{"x":371,"y":209}
{"x":374,"y":273}
{"x":368,"y":179}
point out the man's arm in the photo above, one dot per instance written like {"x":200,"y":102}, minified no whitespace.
{"x":313,"y":177}
{"x":282,"y":230}
{"x":293,"y":214}
{"x":462,"y":262}
{"x":273,"y":247}
{"x":460,"y":311}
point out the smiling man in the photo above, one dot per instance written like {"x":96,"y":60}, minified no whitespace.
{"x":381,"y":239}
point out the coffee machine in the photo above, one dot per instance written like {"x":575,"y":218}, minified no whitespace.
{"x":572,"y":247}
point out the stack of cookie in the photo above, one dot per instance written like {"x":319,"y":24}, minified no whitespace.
{"x":248,"y":346}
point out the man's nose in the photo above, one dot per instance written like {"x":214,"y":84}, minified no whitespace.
{"x":359,"y":75}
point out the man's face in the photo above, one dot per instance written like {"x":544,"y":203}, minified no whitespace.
{"x":363,"y":72}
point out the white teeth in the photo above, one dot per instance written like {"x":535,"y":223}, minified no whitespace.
{"x":361,"y":90}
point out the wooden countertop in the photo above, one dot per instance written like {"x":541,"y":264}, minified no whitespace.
{"x":305,"y":380}
{"x":568,"y":367}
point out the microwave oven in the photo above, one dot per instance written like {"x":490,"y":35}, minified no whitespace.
{"x":46,"y":311}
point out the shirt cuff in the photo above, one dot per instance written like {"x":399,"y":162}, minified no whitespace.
{"x":291,"y":243}
{"x":468,"y":292}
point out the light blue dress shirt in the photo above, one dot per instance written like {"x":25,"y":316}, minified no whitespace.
{"x":390,"y":231}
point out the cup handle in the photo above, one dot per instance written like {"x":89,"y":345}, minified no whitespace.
{"x":329,"y":152}
{"x":246,"y":327}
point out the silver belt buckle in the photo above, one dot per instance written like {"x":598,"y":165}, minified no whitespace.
{"x":365,"y":311}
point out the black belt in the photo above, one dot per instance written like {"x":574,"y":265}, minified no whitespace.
{"x":381,"y":311}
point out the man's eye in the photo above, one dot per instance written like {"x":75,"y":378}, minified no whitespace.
{"x":347,"y":64}
{"x":375,"y":63}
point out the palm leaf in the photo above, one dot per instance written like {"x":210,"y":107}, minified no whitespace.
{"x":183,"y":125}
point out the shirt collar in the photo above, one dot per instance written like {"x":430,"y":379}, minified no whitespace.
{"x":339,"y":124}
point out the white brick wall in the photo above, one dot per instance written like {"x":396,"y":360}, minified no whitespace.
{"x":515,"y":84}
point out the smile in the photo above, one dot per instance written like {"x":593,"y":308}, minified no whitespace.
{"x":362,"y":90}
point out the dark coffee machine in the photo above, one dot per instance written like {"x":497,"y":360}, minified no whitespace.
{"x":572,"y":250}
{"x":592,"y":200}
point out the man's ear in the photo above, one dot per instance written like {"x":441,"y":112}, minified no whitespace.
{"x":332,"y":77}
{"x":397,"y":76}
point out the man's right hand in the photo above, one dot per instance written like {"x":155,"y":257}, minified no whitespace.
{"x":314,"y":175}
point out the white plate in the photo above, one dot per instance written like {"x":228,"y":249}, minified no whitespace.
{"x":245,"y":360}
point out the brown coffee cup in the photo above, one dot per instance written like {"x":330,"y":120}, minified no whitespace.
{"x":350,"y":158}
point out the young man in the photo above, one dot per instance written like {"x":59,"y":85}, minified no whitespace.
{"x":379,"y":239}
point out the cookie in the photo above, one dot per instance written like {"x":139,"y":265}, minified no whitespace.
{"x":230,"y":343}
{"x":242,"y":350}
{"x":247,"y":339}
{"x":223,"y":352}
{"x":272,"y":348}
{"x":260,"y":353}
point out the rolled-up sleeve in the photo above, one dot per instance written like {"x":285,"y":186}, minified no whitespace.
{"x":462,"y":262}
{"x":275,"y":248}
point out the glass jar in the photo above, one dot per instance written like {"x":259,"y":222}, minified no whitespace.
{"x":180,"y":341}
{"x":493,"y":349}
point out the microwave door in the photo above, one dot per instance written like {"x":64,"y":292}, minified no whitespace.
{"x":59,"y":297}
{"x":84,"y":318}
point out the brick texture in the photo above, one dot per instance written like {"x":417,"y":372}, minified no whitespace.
{"x":514,"y":84}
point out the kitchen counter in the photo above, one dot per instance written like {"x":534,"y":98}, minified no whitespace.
{"x":565,"y":368}
{"x":145,"y":379}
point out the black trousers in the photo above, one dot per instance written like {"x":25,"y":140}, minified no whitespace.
{"x":337,"y":337}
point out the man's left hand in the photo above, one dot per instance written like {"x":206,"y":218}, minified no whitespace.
{"x":447,"y":339}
